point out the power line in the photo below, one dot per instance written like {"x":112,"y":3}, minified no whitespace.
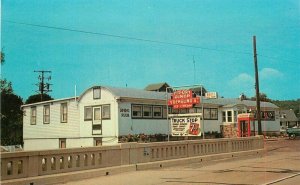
{"x":141,"y":39}
{"x":126,"y":37}
{"x":276,"y":58}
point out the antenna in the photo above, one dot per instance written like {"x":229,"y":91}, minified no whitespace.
{"x":43,"y":87}
{"x":75,"y":89}
{"x":194,"y":69}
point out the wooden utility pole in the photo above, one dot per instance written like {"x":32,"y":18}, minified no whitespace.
{"x":258,"y":114}
{"x":42,"y":86}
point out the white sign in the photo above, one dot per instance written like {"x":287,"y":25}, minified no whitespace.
{"x":211,"y":95}
{"x":185,"y":126}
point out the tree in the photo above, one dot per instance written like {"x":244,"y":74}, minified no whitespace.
{"x":37,"y":98}
{"x":2,"y":56}
{"x":262,"y":97}
{"x":6,"y":86}
{"x":11,"y":115}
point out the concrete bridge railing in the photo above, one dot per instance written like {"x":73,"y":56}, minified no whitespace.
{"x":38,"y":163}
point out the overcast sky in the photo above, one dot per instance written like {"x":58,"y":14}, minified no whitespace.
{"x":139,"y":42}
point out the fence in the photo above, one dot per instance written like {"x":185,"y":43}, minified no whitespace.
{"x":38,"y":163}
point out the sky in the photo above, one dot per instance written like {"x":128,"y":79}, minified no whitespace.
{"x":133,"y":43}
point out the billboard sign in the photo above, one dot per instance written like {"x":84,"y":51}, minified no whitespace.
{"x":182,"y":99}
{"x":186,"y":125}
{"x":211,"y":95}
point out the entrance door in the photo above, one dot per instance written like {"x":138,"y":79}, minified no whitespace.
{"x":97,"y":124}
{"x":244,"y":128}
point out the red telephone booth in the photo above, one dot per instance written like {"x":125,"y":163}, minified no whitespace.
{"x":244,"y":129}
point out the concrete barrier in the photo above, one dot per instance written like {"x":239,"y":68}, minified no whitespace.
{"x":54,"y":166}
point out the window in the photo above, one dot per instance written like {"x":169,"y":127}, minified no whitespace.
{"x":214,"y":113}
{"x":174,"y":111}
{"x":97,"y":113}
{"x":210,"y":113}
{"x":157,"y":111}
{"x":223,"y":116}
{"x":235,"y":116}
{"x":165,"y":111}
{"x":192,"y":110}
{"x":206,"y":113}
{"x":33,"y":116}
{"x":97,"y":141}
{"x":229,"y":116}
{"x":62,"y":143}
{"x":147,"y":111}
{"x":106,"y":111}
{"x":88,"y":113}
{"x":136,"y":111}
{"x":96,"y":93}
{"x":97,"y":127}
{"x":64,"y":113}
{"x":183,"y":111}
{"x":46,"y":114}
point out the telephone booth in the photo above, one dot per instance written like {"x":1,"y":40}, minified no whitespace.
{"x":244,"y":129}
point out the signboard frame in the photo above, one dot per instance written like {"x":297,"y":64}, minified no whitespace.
{"x":186,"y":124}
{"x":179,"y":88}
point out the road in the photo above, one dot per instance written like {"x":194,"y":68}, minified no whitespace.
{"x":279,"y":165}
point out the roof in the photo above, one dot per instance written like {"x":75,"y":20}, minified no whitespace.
{"x":131,"y":93}
{"x":49,"y":101}
{"x":155,"y":87}
{"x":153,"y":95}
{"x":287,"y":115}
{"x":236,"y":101}
{"x":136,"y":93}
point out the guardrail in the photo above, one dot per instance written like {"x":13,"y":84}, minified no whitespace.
{"x":38,"y":163}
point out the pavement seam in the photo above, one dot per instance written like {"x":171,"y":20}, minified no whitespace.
{"x":282,"y":179}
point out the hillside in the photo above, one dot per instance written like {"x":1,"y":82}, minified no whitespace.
{"x":289,"y":104}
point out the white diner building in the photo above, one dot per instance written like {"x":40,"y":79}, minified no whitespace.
{"x":101,"y":114}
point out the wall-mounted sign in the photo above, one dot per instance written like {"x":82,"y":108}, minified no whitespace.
{"x":266,"y":115}
{"x":183,"y":99}
{"x":125,"y":112}
{"x":186,"y":126}
{"x":211,"y":95}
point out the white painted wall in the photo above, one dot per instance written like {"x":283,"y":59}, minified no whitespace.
{"x":109,"y":126}
{"x":212,"y":125}
{"x":269,"y":126}
{"x":41,"y":144}
{"x":79,"y":142}
{"x":127,"y":125}
{"x":55,"y":129}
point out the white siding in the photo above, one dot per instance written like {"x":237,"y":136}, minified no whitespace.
{"x":79,"y":142}
{"x":127,"y":125}
{"x":269,"y":126}
{"x":41,"y":144}
{"x":109,"y":126}
{"x":55,"y":129}
{"x":45,"y":136}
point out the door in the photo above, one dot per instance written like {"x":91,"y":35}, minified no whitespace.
{"x":244,"y":129}
{"x":97,"y":124}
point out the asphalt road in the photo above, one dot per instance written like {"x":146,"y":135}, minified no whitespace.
{"x":279,"y":165}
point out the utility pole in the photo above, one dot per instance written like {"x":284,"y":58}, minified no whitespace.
{"x":43,"y":87}
{"x":258,"y":114}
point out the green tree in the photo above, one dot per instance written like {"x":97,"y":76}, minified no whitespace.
{"x":37,"y":98}
{"x":262,"y":97}
{"x":2,"y":57}
{"x":11,"y":115}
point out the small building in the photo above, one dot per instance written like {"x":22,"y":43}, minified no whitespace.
{"x":288,"y":119}
{"x":101,"y":114}
{"x":158,"y":87}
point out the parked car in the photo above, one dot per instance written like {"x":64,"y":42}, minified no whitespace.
{"x":293,"y":132}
